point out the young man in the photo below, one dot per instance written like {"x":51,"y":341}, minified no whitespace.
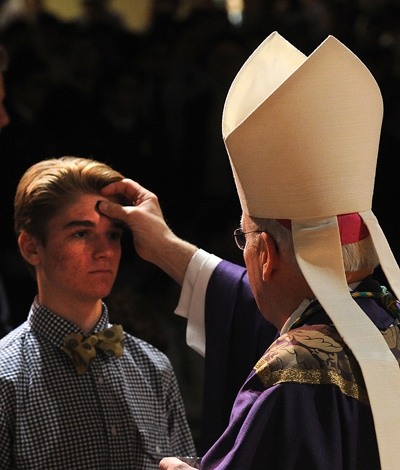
{"x":74,"y":391}
{"x":302,"y":135}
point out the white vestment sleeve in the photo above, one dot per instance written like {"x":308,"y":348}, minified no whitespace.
{"x":192,"y":299}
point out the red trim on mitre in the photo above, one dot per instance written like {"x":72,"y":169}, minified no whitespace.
{"x":351,"y":227}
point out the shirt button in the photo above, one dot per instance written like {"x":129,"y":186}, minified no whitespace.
{"x":100,"y":380}
{"x":113,"y":430}
{"x":158,"y":450}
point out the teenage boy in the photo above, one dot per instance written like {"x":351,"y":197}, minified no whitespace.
{"x":76,"y":392}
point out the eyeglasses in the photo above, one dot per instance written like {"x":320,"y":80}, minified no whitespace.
{"x":240,"y":237}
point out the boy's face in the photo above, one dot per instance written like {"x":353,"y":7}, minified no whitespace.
{"x":80,"y":260}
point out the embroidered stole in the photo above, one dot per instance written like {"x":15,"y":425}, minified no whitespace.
{"x":316,"y":354}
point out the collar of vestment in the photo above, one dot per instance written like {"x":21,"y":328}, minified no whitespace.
{"x":43,"y":322}
{"x":303,"y":306}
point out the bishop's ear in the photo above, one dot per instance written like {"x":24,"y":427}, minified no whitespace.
{"x":271,"y":256}
{"x":28,"y":248}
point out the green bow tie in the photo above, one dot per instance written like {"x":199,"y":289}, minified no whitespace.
{"x":82,"y":350}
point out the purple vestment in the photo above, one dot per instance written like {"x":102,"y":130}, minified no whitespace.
{"x":288,"y":425}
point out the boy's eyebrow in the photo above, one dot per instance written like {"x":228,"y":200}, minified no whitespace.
{"x":79,"y":223}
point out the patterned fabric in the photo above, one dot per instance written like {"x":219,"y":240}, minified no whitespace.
{"x":384,"y":298}
{"x":316,"y":355}
{"x":123,"y":413}
{"x":82,"y":351}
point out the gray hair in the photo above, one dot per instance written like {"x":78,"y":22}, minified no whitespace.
{"x":356,"y":256}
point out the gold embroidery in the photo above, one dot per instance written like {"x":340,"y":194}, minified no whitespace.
{"x":317,"y":355}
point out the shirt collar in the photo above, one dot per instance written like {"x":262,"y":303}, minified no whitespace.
{"x":54,"y":328}
{"x":295,"y":315}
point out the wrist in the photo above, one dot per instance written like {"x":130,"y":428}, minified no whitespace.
{"x":175,"y":257}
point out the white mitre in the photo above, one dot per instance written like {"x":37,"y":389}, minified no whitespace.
{"x":302,"y":134}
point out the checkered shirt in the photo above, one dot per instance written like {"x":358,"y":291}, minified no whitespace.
{"x":123,"y":413}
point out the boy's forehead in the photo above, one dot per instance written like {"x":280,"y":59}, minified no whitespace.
{"x":80,"y":203}
{"x":82,"y":206}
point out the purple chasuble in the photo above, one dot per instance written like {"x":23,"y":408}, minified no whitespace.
{"x":288,"y":425}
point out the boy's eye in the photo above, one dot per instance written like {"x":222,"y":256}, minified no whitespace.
{"x":80,"y":234}
{"x":115,"y":235}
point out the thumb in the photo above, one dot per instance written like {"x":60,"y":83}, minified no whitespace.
{"x":113,"y":210}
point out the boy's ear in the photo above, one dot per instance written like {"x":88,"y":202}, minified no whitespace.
{"x":28,"y":248}
{"x":271,"y":256}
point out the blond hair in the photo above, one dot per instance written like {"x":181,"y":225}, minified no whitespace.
{"x":48,"y":186}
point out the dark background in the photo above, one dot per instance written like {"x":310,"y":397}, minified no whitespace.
{"x":150,"y":105}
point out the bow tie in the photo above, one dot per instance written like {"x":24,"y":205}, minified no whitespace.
{"x":82,"y":350}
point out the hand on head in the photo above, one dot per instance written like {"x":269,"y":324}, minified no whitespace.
{"x":142,"y":215}
{"x":153,"y":239}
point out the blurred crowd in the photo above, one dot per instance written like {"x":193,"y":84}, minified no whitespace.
{"x":150,"y":105}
